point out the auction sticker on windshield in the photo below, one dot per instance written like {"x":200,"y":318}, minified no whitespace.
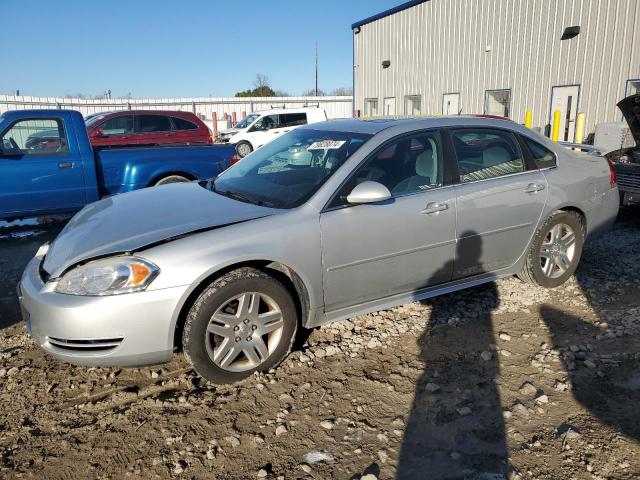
{"x":326,"y":144}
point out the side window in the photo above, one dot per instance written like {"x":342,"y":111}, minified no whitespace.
{"x":117,"y":125}
{"x":411,"y":164}
{"x":35,"y":137}
{"x":293,"y":119}
{"x":543,"y":157}
{"x":486,"y":153}
{"x":181,"y":124}
{"x":268,"y":122}
{"x":153,"y":123}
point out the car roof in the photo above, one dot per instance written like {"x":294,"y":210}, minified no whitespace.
{"x":275,"y":111}
{"x":376,"y":125}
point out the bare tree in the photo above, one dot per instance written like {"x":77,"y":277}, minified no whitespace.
{"x":282,"y":93}
{"x":342,"y":92}
{"x":312,"y":93}
{"x":261,"y":80}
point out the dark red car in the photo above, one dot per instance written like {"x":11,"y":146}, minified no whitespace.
{"x":146,"y":127}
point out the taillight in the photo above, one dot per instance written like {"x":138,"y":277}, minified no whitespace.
{"x":612,"y":174}
{"x":235,"y":158}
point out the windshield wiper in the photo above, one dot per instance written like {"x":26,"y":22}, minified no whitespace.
{"x":243,"y":198}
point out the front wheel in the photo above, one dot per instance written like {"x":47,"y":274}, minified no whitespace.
{"x":243,"y":149}
{"x":555,"y":250}
{"x":244,"y":322}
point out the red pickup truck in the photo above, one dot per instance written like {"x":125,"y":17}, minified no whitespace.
{"x":146,"y":127}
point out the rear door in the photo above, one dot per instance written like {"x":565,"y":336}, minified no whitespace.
{"x":40,"y":172}
{"x":500,"y":198}
{"x":400,"y":246}
{"x":289,"y":121}
{"x":153,"y":129}
{"x":187,"y":132}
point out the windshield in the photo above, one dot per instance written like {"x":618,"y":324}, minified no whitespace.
{"x":92,"y":119}
{"x":246,"y":121}
{"x":287,"y":171}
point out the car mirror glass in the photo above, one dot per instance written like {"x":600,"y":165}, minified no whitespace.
{"x":368,"y":192}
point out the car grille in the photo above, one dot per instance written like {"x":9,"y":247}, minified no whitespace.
{"x":628,"y":183}
{"x":93,"y":345}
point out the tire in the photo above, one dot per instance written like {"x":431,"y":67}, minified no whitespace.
{"x":171,"y":179}
{"x":220,"y":342}
{"x":552,"y":256}
{"x":243,"y":149}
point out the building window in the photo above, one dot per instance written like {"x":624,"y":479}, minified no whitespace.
{"x":412,"y":105}
{"x":371,"y":107}
{"x":497,"y":102}
{"x":633,"y":87}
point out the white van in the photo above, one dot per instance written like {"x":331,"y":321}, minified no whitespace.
{"x":269,"y":124}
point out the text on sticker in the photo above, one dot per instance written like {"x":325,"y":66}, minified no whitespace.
{"x":326,"y":144}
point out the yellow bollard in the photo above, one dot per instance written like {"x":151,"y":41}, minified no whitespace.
{"x":579,"y":128}
{"x":528,"y":119}
{"x":555,"y":128}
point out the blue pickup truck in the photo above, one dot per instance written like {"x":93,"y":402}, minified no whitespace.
{"x":47,"y":165}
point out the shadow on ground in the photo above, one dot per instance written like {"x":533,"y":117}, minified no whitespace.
{"x":455,"y":427}
{"x":17,"y":246}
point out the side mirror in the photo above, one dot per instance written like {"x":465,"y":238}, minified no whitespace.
{"x":96,"y":133}
{"x":369,"y":192}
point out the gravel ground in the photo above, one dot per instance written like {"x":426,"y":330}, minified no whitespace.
{"x":500,"y":381}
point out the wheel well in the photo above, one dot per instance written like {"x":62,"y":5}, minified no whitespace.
{"x":168,"y":174}
{"x":290,"y":279}
{"x":580,"y":213}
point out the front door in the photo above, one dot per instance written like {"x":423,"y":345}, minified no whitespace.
{"x":399,"y":246}
{"x":264,"y":130}
{"x":451,"y":104}
{"x":389,"y":106}
{"x":565,"y":99}
{"x":39,"y":172}
{"x":499,"y":202}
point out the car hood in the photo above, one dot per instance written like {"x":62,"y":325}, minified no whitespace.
{"x":630,"y":108}
{"x":132,"y":221}
{"x":229,"y":131}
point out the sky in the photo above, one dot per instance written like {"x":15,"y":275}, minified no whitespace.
{"x":156,"y":49}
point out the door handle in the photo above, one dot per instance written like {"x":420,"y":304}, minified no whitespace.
{"x":434,"y":207}
{"x":65,"y":165}
{"x":534,"y":188}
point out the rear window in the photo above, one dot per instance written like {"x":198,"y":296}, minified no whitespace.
{"x":153,"y":123}
{"x":181,"y":124}
{"x":293,"y":119}
{"x":542,"y":156}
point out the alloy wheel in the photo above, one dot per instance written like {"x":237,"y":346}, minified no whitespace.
{"x":244,"y":331}
{"x":558,"y":250}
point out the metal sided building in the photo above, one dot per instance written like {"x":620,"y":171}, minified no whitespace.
{"x":499,"y":57}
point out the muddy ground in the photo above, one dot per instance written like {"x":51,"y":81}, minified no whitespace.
{"x":501,"y":381}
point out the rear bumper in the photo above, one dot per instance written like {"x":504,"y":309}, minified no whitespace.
{"x":123,"y":330}
{"x":604,"y":214}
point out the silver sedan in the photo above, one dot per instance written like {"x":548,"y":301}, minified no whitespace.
{"x":330,"y":221}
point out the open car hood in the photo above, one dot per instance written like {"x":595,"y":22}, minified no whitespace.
{"x":133,"y":221}
{"x":630,"y":108}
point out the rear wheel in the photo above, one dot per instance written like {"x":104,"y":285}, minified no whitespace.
{"x":555,"y":250}
{"x":244,"y":322}
{"x":243,"y":149}
{"x":171,"y":179}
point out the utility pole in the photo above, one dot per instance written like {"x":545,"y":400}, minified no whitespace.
{"x":316,"y":69}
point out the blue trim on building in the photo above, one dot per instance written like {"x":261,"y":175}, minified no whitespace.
{"x":386,"y":13}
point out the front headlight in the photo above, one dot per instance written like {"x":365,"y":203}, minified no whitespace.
{"x":109,"y":276}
